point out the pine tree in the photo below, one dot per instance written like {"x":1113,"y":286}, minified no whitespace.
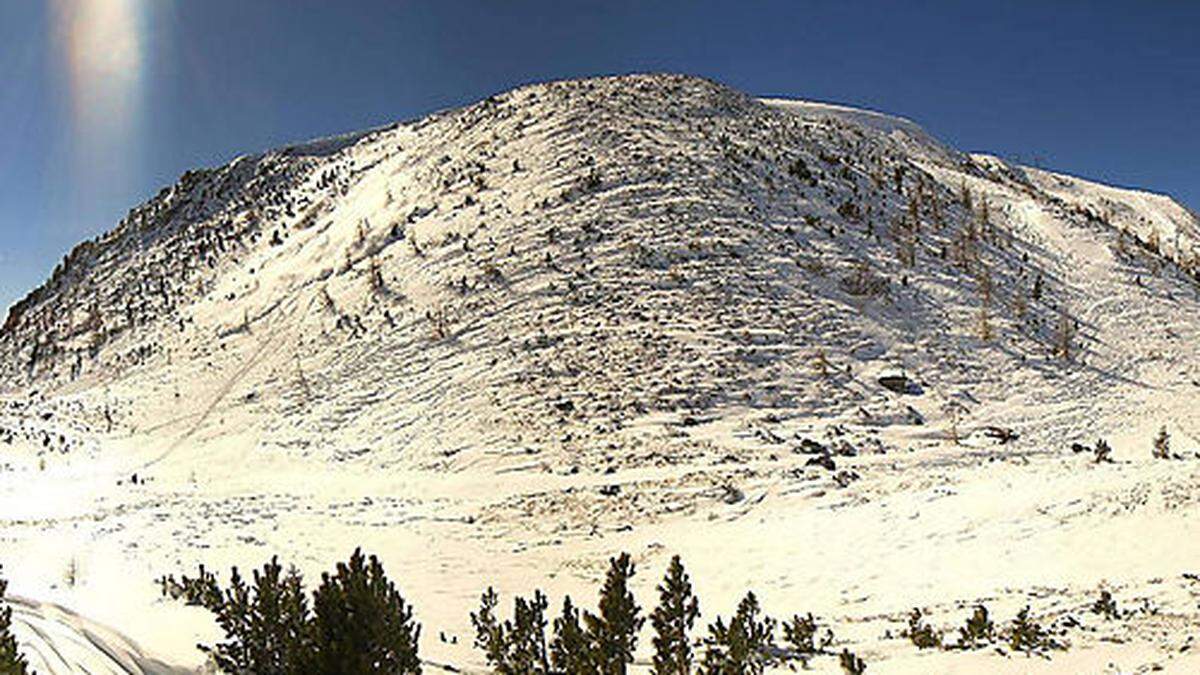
{"x":614,"y":632}
{"x":1106,"y":606}
{"x":984,"y":278}
{"x":233,"y":616}
{"x":11,"y":661}
{"x":527,"y":636}
{"x":922,"y":634}
{"x":801,"y":634}
{"x":1064,"y":336}
{"x":570,"y":651}
{"x":1162,"y":444}
{"x":851,"y":664}
{"x":264,"y":625}
{"x":980,"y":630}
{"x":1027,"y":635}
{"x":744,"y":646}
{"x":489,"y":632}
{"x":276,"y":628}
{"x":200,"y":591}
{"x":516,"y":647}
{"x":677,"y":611}
{"x":361,"y":624}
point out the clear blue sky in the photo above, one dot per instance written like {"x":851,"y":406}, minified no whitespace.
{"x":103,"y":102}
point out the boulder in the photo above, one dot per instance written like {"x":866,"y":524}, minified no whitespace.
{"x":898,"y":381}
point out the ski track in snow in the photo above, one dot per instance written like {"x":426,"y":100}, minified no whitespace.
{"x":57,"y":640}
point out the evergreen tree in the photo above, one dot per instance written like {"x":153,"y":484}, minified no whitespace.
{"x":801,"y":634}
{"x":921,"y":633}
{"x":276,"y":626}
{"x":527,"y":636}
{"x":264,"y":625}
{"x":1162,"y":444}
{"x":570,"y":652}
{"x":980,"y":630}
{"x":614,"y":632}
{"x":516,"y":647}
{"x":233,"y":616}
{"x":1027,"y":635}
{"x":851,"y":664}
{"x":1106,"y":606}
{"x":361,"y":625}
{"x":744,"y":646}
{"x":11,"y":661}
{"x":489,"y":632}
{"x":677,"y":611}
{"x":201,"y":591}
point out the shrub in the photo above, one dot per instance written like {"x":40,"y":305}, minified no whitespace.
{"x":1162,"y":444}
{"x":922,"y":634}
{"x":11,"y":660}
{"x":801,"y":634}
{"x":1103,"y":452}
{"x":677,"y":611}
{"x":201,"y":591}
{"x":863,"y":282}
{"x":744,"y":646}
{"x":800,"y":170}
{"x":591,"y":181}
{"x":850,"y":211}
{"x":1106,"y":606}
{"x":1028,"y":636}
{"x":851,"y":664}
{"x":375,"y":275}
{"x":979,"y":630}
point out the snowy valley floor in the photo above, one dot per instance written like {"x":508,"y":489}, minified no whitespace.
{"x":928,"y":524}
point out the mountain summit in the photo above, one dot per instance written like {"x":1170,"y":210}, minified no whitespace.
{"x":645,"y":313}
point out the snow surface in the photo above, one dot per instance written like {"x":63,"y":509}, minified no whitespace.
{"x":499,"y":344}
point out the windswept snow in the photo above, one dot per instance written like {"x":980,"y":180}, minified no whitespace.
{"x":501,"y":343}
{"x":56,"y":640}
{"x":899,"y":130}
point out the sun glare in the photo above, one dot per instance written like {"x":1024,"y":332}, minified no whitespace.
{"x":101,"y":47}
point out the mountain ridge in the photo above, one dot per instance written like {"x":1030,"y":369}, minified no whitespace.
{"x":807,"y":186}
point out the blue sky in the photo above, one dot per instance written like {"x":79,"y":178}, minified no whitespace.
{"x":103,"y":102}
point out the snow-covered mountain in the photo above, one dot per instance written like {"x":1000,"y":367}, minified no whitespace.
{"x":549,"y":266}
{"x":653,"y":282}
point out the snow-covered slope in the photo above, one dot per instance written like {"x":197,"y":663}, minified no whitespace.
{"x":55,"y":640}
{"x":593,"y":314}
{"x":1147,"y":216}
